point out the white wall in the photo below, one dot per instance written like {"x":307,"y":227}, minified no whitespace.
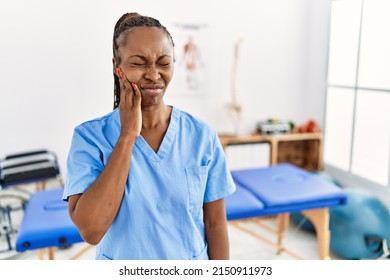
{"x":55,"y":63}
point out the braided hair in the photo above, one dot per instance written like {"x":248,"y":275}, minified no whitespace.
{"x":125,"y":23}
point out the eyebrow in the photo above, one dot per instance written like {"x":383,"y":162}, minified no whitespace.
{"x":144,"y":58}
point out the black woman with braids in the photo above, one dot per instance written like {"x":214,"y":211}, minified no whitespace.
{"x":147,"y":180}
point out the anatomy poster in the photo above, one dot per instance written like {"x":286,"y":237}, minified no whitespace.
{"x":192,"y":58}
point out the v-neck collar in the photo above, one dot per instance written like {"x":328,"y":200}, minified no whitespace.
{"x":166,"y":143}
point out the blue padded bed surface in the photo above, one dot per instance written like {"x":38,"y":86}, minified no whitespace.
{"x":243,"y":204}
{"x":46,"y":223}
{"x":287,"y":188}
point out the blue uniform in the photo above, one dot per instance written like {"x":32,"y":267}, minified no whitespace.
{"x":161,"y":215}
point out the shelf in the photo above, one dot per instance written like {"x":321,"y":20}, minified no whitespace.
{"x":301,"y":149}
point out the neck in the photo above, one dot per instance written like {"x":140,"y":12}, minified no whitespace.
{"x":154,"y":117}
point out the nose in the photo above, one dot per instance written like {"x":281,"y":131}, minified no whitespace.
{"x":152,"y":73}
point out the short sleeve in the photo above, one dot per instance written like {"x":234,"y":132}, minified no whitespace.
{"x":220,"y":183}
{"x":84,"y":164}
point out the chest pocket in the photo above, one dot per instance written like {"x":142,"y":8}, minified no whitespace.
{"x":196,"y":182}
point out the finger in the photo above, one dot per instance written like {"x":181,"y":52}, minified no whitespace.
{"x":127,"y":90}
{"x":137,"y":95}
{"x":122,"y":93}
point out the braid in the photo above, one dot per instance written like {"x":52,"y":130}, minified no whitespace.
{"x":125,"y":23}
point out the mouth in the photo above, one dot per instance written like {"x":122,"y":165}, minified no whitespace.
{"x":152,"y":89}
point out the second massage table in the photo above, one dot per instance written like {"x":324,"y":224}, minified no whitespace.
{"x":46,"y":224}
{"x":282,"y":189}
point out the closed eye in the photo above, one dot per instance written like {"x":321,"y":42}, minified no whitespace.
{"x":138,"y":64}
{"x":164,"y":64}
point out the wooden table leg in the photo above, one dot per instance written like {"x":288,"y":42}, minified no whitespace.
{"x":320,"y":221}
{"x":40,"y":254}
{"x":51,"y":253}
{"x":282,"y":221}
{"x":40,"y":185}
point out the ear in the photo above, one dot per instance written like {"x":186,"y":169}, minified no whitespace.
{"x":115,"y":66}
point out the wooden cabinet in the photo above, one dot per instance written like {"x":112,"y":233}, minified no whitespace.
{"x":301,"y":149}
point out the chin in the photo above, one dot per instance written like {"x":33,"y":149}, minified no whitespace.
{"x":151,"y":102}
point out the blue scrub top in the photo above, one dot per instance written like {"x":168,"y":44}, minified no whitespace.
{"x":161,"y":215}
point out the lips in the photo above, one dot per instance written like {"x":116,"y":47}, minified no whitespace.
{"x":152,"y":89}
{"x":151,"y":86}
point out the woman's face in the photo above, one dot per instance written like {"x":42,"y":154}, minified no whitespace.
{"x":147,"y":60}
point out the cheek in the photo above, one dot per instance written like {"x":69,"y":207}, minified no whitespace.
{"x":167,"y":75}
{"x":134,"y":75}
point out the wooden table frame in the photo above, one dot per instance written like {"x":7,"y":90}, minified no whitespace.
{"x":319,"y":217}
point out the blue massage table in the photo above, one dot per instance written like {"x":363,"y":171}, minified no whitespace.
{"x":282,"y":189}
{"x":17,"y":171}
{"x":46,"y":224}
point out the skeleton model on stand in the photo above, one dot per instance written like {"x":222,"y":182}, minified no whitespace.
{"x":234,"y":109}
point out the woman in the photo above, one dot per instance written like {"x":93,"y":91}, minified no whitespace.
{"x":147,"y":181}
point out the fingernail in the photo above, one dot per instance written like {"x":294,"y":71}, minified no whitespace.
{"x":134,"y":85}
{"x":120,"y":73}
